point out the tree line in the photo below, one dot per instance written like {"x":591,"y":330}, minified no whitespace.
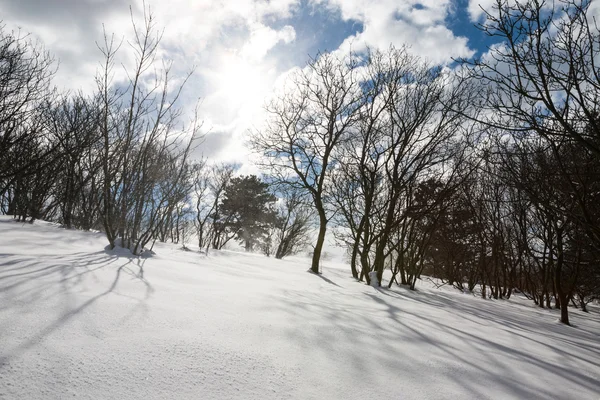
{"x":484,"y":173}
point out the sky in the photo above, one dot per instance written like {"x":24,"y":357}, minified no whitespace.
{"x":240,"y":49}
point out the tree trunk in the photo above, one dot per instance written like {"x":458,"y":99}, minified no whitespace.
{"x":562,"y":296}
{"x":354,"y":257}
{"x":320,"y":240}
{"x":582,"y":302}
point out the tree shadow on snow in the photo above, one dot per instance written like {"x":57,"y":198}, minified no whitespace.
{"x":325,"y":279}
{"x":472,"y":346}
{"x":31,"y":280}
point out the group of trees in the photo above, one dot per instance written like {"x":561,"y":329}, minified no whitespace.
{"x":362,"y":138}
{"x":118,"y":159}
{"x":247,"y":209}
{"x":114,"y":160}
{"x":484,"y":174}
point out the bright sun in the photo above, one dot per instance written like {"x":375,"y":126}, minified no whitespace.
{"x":242,"y":85}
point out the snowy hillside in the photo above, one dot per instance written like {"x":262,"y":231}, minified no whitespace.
{"x":79,"y":322}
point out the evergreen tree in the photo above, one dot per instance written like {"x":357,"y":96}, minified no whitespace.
{"x":248,"y":210}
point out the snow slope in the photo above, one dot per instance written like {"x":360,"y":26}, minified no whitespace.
{"x":80,"y":322}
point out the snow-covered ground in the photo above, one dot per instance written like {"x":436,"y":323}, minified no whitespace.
{"x":80,"y":322}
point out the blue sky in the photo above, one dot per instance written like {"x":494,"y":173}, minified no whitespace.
{"x":318,"y":29}
{"x":321,"y":29}
{"x":242,"y":49}
{"x":461,"y":24}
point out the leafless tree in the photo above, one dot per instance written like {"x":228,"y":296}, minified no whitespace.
{"x":543,"y":77}
{"x":359,"y":174}
{"x":423,"y":135}
{"x":200,"y":181}
{"x":219,"y":178}
{"x":73,"y":125}
{"x":26,"y":70}
{"x":308,"y":121}
{"x":542,"y":83}
{"x":144,"y":152}
{"x":293,"y":227}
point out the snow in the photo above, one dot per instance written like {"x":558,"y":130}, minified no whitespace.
{"x":79,"y":321}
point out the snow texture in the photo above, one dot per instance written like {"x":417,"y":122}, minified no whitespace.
{"x":77,"y":321}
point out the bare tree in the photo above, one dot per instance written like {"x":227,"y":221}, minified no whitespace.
{"x":543,"y":77}
{"x":73,"y":125}
{"x":307,"y":123}
{"x":424,"y":128}
{"x":358,"y":181}
{"x":26,"y":70}
{"x":293,"y":226}
{"x":144,"y":152}
{"x":542,"y":82}
{"x":200,"y":181}
{"x":220,"y":176}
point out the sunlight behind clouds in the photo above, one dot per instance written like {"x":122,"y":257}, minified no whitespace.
{"x":239,"y":48}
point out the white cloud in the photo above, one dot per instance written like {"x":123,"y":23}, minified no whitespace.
{"x":263,"y":38}
{"x":227,"y":41}
{"x":476,"y":8}
{"x":419,"y":24}
{"x":234,"y":45}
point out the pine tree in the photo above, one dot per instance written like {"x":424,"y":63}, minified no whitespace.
{"x":248,"y":209}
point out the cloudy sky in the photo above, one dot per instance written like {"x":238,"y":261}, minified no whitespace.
{"x":241,"y":47}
